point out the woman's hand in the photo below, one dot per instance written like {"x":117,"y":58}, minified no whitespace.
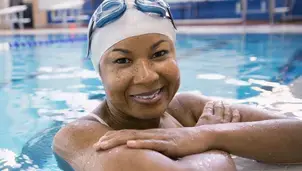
{"x":174,"y":142}
{"x":218,"y":112}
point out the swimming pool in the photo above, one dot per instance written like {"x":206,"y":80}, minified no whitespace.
{"x":46,"y":81}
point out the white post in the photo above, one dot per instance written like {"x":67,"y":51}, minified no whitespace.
{"x":244,"y":10}
{"x":21,"y":20}
{"x":272,"y":11}
{"x":3,"y":23}
{"x":39,"y":15}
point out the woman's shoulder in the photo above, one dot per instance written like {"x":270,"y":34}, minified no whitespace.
{"x":185,"y":107}
{"x":78,"y":135}
{"x":84,"y":125}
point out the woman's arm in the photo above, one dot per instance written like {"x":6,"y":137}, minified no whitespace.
{"x":74,"y":144}
{"x":260,"y":135}
{"x":187,"y":109}
{"x":208,"y":161}
{"x":264,"y":136}
{"x":270,"y":141}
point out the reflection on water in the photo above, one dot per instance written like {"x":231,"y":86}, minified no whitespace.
{"x":5,"y":68}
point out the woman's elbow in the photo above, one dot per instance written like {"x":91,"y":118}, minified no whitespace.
{"x":209,"y":161}
{"x":123,"y":158}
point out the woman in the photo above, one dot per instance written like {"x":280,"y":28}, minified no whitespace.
{"x":132,"y":50}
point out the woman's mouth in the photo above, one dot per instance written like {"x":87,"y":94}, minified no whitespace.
{"x":148,"y":97}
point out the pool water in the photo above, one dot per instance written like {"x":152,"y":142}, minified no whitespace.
{"x":46,"y":85}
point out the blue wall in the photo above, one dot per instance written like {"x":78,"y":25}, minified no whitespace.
{"x":224,"y":9}
{"x":210,"y":10}
{"x":297,"y":8}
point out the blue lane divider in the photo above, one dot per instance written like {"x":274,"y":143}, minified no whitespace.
{"x":5,"y":46}
{"x":17,"y":45}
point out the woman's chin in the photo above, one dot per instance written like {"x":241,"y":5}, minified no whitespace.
{"x":152,"y":114}
{"x":150,"y":111}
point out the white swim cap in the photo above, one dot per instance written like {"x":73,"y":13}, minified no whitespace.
{"x":132,"y":23}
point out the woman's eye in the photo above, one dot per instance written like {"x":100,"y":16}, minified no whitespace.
{"x":160,"y":53}
{"x":122,"y":61}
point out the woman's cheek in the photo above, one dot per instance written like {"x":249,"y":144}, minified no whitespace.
{"x":172,"y":70}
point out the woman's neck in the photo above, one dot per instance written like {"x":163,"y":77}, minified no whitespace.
{"x":118,"y":120}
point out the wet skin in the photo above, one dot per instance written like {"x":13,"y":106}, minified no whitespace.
{"x":140,"y":76}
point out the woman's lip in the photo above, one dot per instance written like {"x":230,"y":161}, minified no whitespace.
{"x":147,"y":93}
{"x":156,"y":97}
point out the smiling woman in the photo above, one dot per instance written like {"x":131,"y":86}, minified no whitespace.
{"x":144,"y":80}
{"x":137,"y":65}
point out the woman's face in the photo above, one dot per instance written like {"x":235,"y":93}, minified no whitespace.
{"x":140,"y":75}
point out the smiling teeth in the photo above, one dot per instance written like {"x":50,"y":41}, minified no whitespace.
{"x":148,"y":97}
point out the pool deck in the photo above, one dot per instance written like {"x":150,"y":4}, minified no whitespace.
{"x":211,"y":29}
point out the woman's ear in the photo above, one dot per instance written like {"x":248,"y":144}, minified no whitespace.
{"x":100,"y":72}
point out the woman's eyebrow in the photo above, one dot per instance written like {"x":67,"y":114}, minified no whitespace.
{"x":155,"y":45}
{"x":121,"y":50}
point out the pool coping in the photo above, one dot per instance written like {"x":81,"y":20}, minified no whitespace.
{"x":205,"y":29}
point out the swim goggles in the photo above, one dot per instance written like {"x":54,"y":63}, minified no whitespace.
{"x":111,"y":10}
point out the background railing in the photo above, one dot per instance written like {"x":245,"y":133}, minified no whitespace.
{"x":185,"y":12}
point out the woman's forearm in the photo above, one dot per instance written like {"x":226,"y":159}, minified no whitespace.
{"x":271,"y":141}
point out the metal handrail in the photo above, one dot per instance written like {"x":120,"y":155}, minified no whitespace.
{"x":273,"y":9}
{"x":244,"y":10}
{"x":14,"y":14}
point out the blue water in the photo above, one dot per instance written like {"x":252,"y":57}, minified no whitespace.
{"x":45,"y":85}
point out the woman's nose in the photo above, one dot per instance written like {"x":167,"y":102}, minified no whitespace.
{"x":145,"y":73}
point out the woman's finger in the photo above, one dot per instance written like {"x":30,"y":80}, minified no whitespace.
{"x":203,"y":120}
{"x":208,"y":108}
{"x":114,"y":140}
{"x":112,"y":134}
{"x":206,"y":114}
{"x":107,"y":136}
{"x":156,"y":145}
{"x":105,"y":145}
{"x":122,"y":133}
{"x":227,"y":113}
{"x":236,"y":116}
{"x":218,"y":109}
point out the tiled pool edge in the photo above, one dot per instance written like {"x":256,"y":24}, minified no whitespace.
{"x":241,"y":29}
{"x":205,"y":29}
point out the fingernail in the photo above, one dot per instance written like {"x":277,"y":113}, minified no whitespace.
{"x":101,"y":145}
{"x":131,"y":143}
{"x":104,"y":144}
{"x":96,"y":145}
